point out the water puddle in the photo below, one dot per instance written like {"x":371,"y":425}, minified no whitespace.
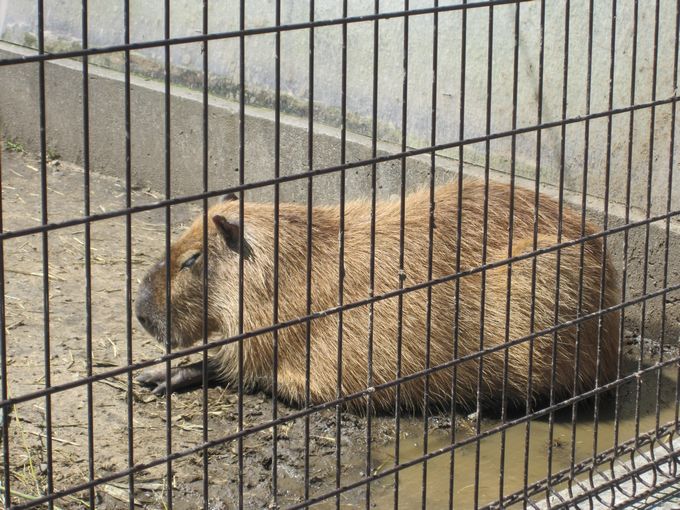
{"x":410,"y":493}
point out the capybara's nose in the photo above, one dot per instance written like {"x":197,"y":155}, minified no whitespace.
{"x":143,"y":321}
{"x":142,"y":307}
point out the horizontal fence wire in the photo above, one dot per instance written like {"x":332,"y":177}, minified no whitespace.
{"x":8,"y":403}
{"x":592,"y":480}
{"x":336,"y":168}
{"x":558,"y":477}
{"x":430,"y":455}
{"x":256,"y":31}
{"x":349,"y":306}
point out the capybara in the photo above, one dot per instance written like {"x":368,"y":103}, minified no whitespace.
{"x":186,"y":273}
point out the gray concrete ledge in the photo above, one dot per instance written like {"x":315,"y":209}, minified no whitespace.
{"x":19,"y":119}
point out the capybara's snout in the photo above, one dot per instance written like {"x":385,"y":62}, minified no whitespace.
{"x":145,"y":307}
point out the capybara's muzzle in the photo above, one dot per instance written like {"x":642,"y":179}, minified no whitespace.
{"x":144,"y":308}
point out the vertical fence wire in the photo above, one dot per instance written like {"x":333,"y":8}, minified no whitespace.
{"x":534,"y":245}
{"x":87,"y":258}
{"x":648,"y":210}
{"x":402,"y":275}
{"x":371,"y":268}
{"x":558,"y":253}
{"x":310,"y":228}
{"x":629,"y":175}
{"x":430,"y":240}
{"x":675,"y":87}
{"x":511,"y":224}
{"x":485,"y":232}
{"x":129,"y":396}
{"x":4,"y":425}
{"x":277,"y":229}
{"x":671,"y":168}
{"x":341,"y":256}
{"x":459,"y":236}
{"x":669,"y":205}
{"x":241,"y":219}
{"x":629,"y":170}
{"x":45,"y":253}
{"x":584,"y":196}
{"x":645,"y":263}
{"x":604,"y":259}
{"x":205,"y":153}
{"x":168,"y":261}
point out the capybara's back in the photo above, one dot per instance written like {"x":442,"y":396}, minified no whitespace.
{"x":447,"y":323}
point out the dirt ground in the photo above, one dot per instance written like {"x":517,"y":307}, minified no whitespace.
{"x":26,"y":373}
{"x":26,"y":367}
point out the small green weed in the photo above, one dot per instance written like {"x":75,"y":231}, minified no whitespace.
{"x":52,"y":154}
{"x":14,"y":146}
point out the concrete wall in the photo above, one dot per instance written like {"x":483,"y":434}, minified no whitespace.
{"x":19,"y":108}
{"x":63,"y":25}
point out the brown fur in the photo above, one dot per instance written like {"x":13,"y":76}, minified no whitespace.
{"x":258,"y":294}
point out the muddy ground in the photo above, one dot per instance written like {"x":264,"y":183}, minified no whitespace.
{"x":25,"y":331}
{"x":26,"y":367}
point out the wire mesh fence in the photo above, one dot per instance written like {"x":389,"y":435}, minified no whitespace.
{"x":417,"y":254}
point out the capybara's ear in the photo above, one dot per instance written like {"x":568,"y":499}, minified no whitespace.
{"x":229,"y":197}
{"x":230,"y":231}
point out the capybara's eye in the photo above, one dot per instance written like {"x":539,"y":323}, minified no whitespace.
{"x":190,"y":261}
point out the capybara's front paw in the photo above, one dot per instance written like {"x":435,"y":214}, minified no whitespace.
{"x":181,"y":378}
{"x":154,"y":379}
